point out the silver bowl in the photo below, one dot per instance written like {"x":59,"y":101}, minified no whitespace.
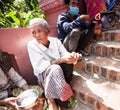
{"x":27,"y":99}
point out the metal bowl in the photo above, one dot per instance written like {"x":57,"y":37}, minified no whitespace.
{"x":27,"y":99}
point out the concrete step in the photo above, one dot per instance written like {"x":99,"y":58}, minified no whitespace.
{"x":113,"y":35}
{"x":97,"y":93}
{"x":105,"y":49}
{"x":104,"y":67}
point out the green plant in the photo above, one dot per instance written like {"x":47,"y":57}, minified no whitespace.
{"x":18,"y":13}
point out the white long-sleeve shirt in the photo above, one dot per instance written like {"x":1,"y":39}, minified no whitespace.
{"x":41,"y":56}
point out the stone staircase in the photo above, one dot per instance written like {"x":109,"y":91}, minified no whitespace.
{"x":96,"y":81}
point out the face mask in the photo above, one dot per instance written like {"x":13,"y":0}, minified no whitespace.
{"x":74,"y":10}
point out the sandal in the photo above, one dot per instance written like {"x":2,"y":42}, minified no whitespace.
{"x":72,"y":102}
{"x":69,"y":104}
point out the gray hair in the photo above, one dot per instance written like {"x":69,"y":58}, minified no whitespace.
{"x":39,"y":21}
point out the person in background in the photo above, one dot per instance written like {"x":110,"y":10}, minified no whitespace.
{"x":9,"y":79}
{"x":74,"y":30}
{"x":49,"y":60}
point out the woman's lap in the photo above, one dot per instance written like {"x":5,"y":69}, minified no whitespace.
{"x":55,"y":85}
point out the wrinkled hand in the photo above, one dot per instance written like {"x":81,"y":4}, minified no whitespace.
{"x":12,"y":102}
{"x":72,"y":58}
{"x":76,"y":56}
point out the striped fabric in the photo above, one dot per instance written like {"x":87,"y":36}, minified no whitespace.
{"x":110,"y":4}
{"x":54,"y":84}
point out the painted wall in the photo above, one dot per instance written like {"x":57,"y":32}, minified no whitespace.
{"x":52,"y":20}
{"x":14,"y":41}
{"x":51,"y":9}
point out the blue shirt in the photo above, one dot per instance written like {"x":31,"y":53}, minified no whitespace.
{"x":65,"y":25}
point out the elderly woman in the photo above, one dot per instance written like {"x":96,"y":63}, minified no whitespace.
{"x":47,"y":54}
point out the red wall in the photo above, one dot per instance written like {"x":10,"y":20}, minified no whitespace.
{"x":14,"y":41}
{"x":52,"y":20}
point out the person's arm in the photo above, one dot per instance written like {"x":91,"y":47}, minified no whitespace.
{"x":18,"y":79}
{"x":69,"y":59}
{"x":67,"y":26}
{"x":65,"y":59}
{"x":65,"y":56}
{"x":10,"y":101}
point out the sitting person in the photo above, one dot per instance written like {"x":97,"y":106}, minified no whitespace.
{"x":12,"y":84}
{"x":51,"y":62}
{"x":9,"y":79}
{"x":74,"y":30}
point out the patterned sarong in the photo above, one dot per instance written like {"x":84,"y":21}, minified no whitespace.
{"x":54,"y":84}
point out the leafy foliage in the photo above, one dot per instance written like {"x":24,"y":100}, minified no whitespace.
{"x":18,"y":13}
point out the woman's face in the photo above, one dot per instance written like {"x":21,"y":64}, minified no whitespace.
{"x":40,"y":34}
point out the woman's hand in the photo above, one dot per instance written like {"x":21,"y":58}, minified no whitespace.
{"x":72,"y":58}
{"x":12,"y":102}
{"x":76,"y":56}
